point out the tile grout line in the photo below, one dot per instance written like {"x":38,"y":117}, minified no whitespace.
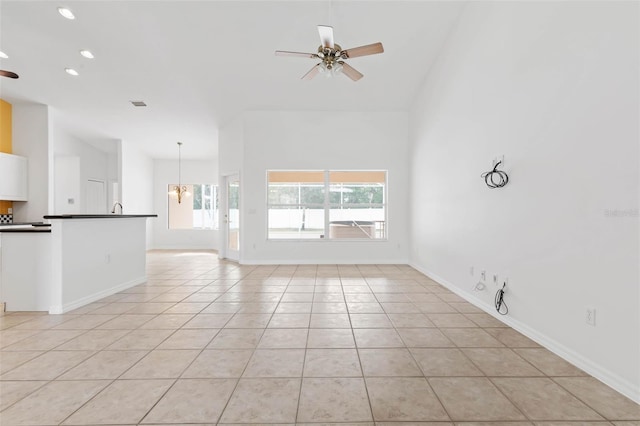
{"x":304,"y":359}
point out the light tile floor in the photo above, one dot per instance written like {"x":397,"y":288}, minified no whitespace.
{"x":210,"y":342}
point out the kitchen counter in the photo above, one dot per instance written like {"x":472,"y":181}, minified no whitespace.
{"x":76,"y":260}
{"x":25,"y":268}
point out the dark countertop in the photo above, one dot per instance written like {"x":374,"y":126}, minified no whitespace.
{"x":24,"y":223}
{"x":97,"y":216}
{"x":36,"y":229}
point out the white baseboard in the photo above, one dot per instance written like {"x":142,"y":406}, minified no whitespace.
{"x":323,"y":262}
{"x":181,"y":247}
{"x":61,"y":309}
{"x":612,"y":380}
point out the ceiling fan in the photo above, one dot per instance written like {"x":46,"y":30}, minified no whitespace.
{"x":9,"y":74}
{"x":332,"y":56}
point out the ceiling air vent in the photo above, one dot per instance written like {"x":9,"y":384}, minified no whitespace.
{"x":138,"y":103}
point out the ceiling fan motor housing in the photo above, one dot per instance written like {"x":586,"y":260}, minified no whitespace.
{"x":330,"y":56}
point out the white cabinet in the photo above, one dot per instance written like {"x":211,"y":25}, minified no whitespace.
{"x":13,"y":177}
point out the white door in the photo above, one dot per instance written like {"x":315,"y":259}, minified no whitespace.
{"x":96,"y":197}
{"x":232,"y":218}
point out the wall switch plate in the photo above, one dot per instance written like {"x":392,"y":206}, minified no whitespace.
{"x":471,"y":270}
{"x":495,"y":279}
{"x":590,"y":316}
{"x":9,"y":210}
{"x":483,"y":276}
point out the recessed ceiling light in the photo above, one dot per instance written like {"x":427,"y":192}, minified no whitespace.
{"x":71,"y":71}
{"x":4,"y":55}
{"x":87,"y":54}
{"x":66,"y":13}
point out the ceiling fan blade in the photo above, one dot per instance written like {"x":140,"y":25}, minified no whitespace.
{"x":312,"y":72}
{"x":326,"y":36}
{"x":369,"y":49}
{"x":300,"y":54}
{"x":351,"y":72}
{"x":9,"y":74}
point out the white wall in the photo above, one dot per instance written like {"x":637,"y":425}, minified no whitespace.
{"x":231,"y":147}
{"x":67,"y":195}
{"x":94,"y":164}
{"x":32,"y":139}
{"x":165,"y":172}
{"x":552,"y":86}
{"x":301,"y":140}
{"x":136,"y":169}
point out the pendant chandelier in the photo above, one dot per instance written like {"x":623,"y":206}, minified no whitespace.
{"x":180,"y":190}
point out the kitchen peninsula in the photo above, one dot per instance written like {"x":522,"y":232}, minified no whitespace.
{"x":83,"y":259}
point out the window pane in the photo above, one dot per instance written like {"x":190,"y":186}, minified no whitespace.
{"x":197,"y":197}
{"x":312,"y":194}
{"x":362,"y":187}
{"x":203,"y":212}
{"x":364,"y":194}
{"x":296,"y":222}
{"x":283,"y":194}
{"x":216,"y":208}
{"x":347,"y":222}
{"x":358,"y":177}
{"x":296,"y":176}
{"x":296,"y":193}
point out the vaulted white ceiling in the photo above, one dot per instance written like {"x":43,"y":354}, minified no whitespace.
{"x":198,"y":64}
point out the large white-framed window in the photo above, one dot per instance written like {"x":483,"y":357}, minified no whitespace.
{"x":198,"y":209}
{"x":326,"y":204}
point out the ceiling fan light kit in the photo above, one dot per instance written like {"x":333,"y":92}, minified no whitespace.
{"x":332,"y":56}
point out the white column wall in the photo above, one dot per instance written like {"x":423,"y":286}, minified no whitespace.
{"x":136,"y":169}
{"x":32,"y":139}
{"x":230,"y":161}
{"x":552,"y":86}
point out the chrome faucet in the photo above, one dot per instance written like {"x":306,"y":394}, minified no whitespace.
{"x":113,"y":210}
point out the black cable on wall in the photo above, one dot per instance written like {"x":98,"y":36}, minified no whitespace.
{"x":496,"y":178}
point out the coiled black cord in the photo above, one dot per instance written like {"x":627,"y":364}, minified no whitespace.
{"x":496,"y":178}
{"x":500,"y":303}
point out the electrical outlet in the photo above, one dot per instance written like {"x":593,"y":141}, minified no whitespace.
{"x":590,"y":317}
{"x":483,"y":276}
